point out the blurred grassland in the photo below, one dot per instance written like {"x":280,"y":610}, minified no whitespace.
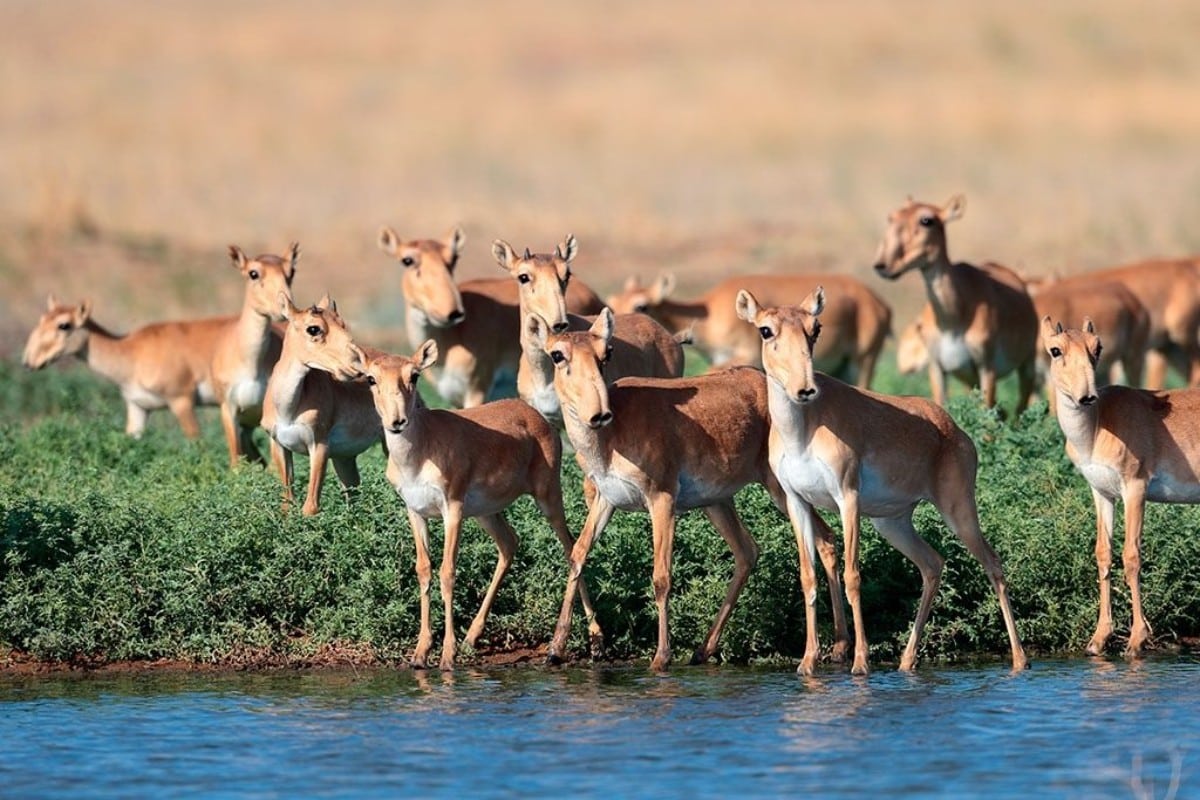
{"x":137,"y":139}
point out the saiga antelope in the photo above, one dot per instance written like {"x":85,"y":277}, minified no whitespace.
{"x":466,"y":463}
{"x":858,"y":321}
{"x":666,"y":446}
{"x":312,"y":405}
{"x":247,"y":351}
{"x":640,"y":346}
{"x":474,"y":323}
{"x":1131,"y":444}
{"x":164,"y":364}
{"x":835,"y":446}
{"x":984,"y":324}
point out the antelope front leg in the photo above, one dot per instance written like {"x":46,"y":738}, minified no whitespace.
{"x":230,"y":428}
{"x":827,"y":551}
{"x":282,"y":458}
{"x":1104,"y":527}
{"x":184,"y":409}
{"x":553,"y":511}
{"x":662,"y":520}
{"x":853,"y":578}
{"x":318,"y":458}
{"x":453,"y":521}
{"x":135,"y":419}
{"x":801,"y":515}
{"x":420,"y":529}
{"x":937,"y":383}
{"x":745,"y":555}
{"x":506,"y":544}
{"x":598,"y":517}
{"x":987,"y":385}
{"x":1135,"y":508}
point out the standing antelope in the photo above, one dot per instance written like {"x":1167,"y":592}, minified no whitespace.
{"x":839,"y":447}
{"x":164,"y":364}
{"x":468,"y":463}
{"x":859,"y":322}
{"x":1132,"y":444}
{"x":472,"y":323}
{"x":248,"y":350}
{"x":311,"y":406}
{"x":666,"y":446}
{"x":984,"y":324}
{"x":640,"y":346}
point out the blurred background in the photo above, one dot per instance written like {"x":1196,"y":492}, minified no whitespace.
{"x":139,"y":139}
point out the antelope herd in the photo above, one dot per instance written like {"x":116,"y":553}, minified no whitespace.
{"x":647,"y":438}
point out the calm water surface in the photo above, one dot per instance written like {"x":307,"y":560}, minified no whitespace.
{"x":1078,"y":728}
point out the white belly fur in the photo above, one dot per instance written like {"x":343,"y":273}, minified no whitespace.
{"x":952,"y":352}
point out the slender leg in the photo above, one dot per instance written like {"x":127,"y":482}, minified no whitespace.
{"x":1135,"y":507}
{"x":866,"y":369}
{"x":506,"y":545}
{"x":184,"y":409}
{"x":135,"y":419}
{"x":317,"y":458}
{"x":853,"y":577}
{"x":346,"y":468}
{"x":900,"y":533}
{"x":229,"y":426}
{"x":745,"y":555}
{"x":962,"y":516}
{"x":987,"y":384}
{"x":550,"y":504}
{"x":662,"y":520}
{"x":420,"y":529}
{"x":1156,"y":369}
{"x":598,"y":517}
{"x":801,"y":516}
{"x":453,"y":522}
{"x":282,"y":458}
{"x":1026,"y":379}
{"x":937,"y":383}
{"x":1104,"y":530}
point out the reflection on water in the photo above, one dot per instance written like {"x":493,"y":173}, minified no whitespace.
{"x":1079,"y":728}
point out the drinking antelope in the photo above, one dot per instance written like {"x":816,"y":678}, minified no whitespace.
{"x":640,"y":346}
{"x":312,"y":407}
{"x":1131,"y":444}
{"x":665,"y":446}
{"x":984,"y":324}
{"x":858,"y":321}
{"x":472,"y":323}
{"x":466,"y":463}
{"x":835,"y":446}
{"x":164,"y":364}
{"x":247,"y":350}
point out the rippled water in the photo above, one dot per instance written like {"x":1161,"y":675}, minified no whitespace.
{"x":1079,"y":728}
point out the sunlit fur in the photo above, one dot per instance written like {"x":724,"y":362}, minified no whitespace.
{"x":837,"y":447}
{"x":665,"y":446}
{"x":313,"y":405}
{"x":984,"y":324}
{"x":1130,"y":444}
{"x":857,"y":321}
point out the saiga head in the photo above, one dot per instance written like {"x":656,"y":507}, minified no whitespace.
{"x":428,"y":281}
{"x":916,"y":236}
{"x":393,"y":381}
{"x":1073,"y":358}
{"x":57,"y":333}
{"x":789,"y":334}
{"x":541,"y":279}
{"x":267,"y":277}
{"x":579,"y":358}
{"x":318,"y":337}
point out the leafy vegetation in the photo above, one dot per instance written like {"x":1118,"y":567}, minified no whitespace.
{"x":113,"y":549}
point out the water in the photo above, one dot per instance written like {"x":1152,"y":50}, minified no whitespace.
{"x":1078,"y":728}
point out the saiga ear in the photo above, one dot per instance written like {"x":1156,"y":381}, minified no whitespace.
{"x":327,"y":303}
{"x":426,"y":355}
{"x":663,"y":287}
{"x":568,"y":249}
{"x":503,"y":253}
{"x":293,"y":252}
{"x":452,"y":247}
{"x":286,"y":309}
{"x":538,"y":328}
{"x":953,"y":209}
{"x":602,"y":328}
{"x":237,"y":257}
{"x":815,"y":303}
{"x":746,"y":306}
{"x":632,"y":284}
{"x":1088,"y":326}
{"x":51,"y":302}
{"x":83,"y":313}
{"x":388,"y":240}
{"x":1049,"y":329}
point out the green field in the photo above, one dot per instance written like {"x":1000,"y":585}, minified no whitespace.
{"x":116,"y":549}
